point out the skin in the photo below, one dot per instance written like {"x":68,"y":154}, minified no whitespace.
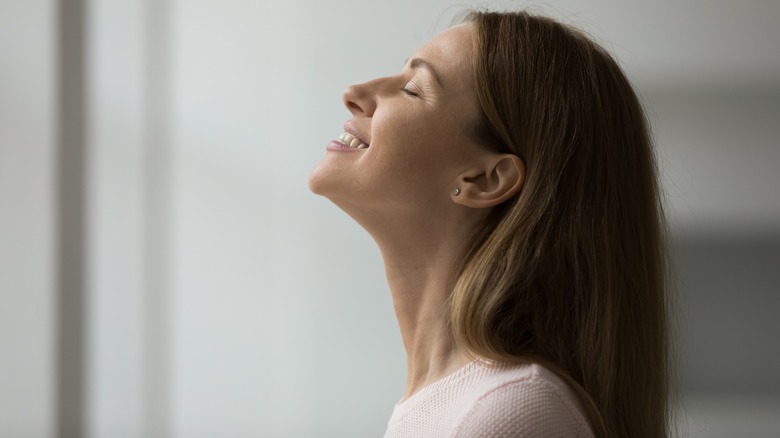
{"x":401,"y":189}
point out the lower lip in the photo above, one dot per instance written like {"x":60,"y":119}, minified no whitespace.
{"x":338,"y":146}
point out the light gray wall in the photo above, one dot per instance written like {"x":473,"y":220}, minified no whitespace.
{"x":719,"y":153}
{"x":116,"y":207}
{"x":27,"y":237}
{"x":719,"y":150}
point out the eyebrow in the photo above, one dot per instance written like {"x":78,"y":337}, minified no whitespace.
{"x":421,"y":63}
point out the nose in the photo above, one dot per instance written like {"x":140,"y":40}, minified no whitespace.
{"x":360,"y":99}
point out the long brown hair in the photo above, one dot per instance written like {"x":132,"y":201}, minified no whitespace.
{"x":572,"y":271}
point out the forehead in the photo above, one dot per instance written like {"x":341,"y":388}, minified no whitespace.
{"x":451,"y":54}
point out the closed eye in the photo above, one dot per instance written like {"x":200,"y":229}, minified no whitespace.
{"x":409,"y":92}
{"x":411,"y":89}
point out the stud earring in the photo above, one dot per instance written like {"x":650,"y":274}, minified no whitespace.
{"x":456,"y":192}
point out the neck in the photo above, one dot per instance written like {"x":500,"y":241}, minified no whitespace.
{"x":421,"y":275}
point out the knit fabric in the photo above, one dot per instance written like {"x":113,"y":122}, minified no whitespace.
{"x":483,"y":400}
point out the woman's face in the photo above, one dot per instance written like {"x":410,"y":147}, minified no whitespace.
{"x":417,"y":126}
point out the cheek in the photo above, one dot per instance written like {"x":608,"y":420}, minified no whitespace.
{"x":410,"y":149}
{"x":418,"y":171}
{"x":417,"y":153}
{"x":415,"y":137}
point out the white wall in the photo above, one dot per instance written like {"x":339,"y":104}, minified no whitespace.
{"x":27,"y":237}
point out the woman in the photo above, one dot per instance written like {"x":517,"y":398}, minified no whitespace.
{"x":507,"y":175}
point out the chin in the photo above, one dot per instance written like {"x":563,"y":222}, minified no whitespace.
{"x":317,"y":181}
{"x":314,"y":185}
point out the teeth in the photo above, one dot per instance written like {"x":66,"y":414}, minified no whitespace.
{"x":352,"y":141}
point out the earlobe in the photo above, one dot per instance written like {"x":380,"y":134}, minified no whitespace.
{"x":498,"y":179}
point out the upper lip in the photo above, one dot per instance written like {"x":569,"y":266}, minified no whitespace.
{"x":350,"y":127}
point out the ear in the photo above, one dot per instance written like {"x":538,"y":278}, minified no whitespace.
{"x":498,"y":178}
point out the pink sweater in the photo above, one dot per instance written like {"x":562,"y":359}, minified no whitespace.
{"x":483,"y":400}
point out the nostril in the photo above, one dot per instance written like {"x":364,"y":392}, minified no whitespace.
{"x":359,"y":100}
{"x":354,"y":107}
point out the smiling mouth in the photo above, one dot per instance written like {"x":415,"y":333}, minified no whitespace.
{"x":352,"y":141}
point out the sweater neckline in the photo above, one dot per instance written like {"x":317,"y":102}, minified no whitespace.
{"x":406,"y":404}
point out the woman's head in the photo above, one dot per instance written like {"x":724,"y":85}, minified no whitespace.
{"x":419,"y":129}
{"x":572,"y":269}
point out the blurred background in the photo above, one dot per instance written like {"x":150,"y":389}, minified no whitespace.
{"x":165,"y":272}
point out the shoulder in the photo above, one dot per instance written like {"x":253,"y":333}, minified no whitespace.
{"x":524,"y":401}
